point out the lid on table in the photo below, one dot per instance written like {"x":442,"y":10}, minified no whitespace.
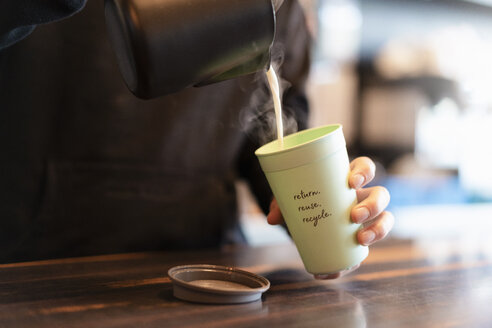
{"x":205,"y":283}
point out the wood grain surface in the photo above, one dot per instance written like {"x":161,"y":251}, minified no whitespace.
{"x":402,"y":283}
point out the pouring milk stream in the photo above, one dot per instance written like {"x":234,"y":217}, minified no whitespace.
{"x":275,"y":89}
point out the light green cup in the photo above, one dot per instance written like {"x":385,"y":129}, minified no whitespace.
{"x":309,"y":179}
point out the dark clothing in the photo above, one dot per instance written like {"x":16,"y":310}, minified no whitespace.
{"x":20,"y":17}
{"x":87,"y":168}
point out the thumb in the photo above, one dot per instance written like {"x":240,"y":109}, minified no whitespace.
{"x":275,"y":216}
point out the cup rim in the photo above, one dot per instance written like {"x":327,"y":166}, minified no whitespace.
{"x":260,"y":152}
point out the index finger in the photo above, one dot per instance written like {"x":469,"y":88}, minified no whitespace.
{"x":362,"y":171}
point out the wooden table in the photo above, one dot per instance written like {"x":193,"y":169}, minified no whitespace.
{"x":401,"y":284}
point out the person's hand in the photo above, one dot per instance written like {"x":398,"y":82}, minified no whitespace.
{"x":370,"y":209}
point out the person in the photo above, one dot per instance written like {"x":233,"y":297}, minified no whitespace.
{"x":87,"y":168}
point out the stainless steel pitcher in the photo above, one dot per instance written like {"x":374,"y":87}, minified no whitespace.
{"x":163,"y":46}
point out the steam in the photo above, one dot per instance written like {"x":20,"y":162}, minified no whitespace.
{"x":258,"y":119}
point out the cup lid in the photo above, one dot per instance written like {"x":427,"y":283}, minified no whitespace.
{"x":206,"y":283}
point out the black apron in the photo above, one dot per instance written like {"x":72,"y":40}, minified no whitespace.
{"x":86,"y":168}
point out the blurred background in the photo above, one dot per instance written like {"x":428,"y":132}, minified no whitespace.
{"x":411,"y":82}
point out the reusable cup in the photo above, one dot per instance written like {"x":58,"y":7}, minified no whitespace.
{"x":309,"y":179}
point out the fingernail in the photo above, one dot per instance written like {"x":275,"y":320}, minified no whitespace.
{"x":360,"y":214}
{"x":367,"y":237}
{"x":357,"y":180}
